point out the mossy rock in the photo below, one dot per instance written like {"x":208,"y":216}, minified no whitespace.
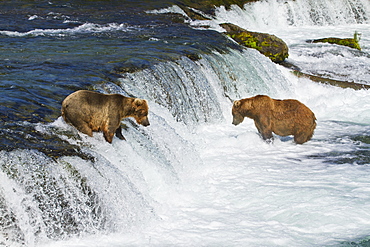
{"x":353,"y":43}
{"x":267,"y":44}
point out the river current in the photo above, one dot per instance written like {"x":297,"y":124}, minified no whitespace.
{"x":191,"y":178}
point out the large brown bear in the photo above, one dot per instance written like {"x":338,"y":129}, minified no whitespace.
{"x":91,"y":111}
{"x":283,"y":117}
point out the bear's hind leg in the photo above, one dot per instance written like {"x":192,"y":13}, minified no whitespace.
{"x":302,"y":138}
{"x":83,"y":127}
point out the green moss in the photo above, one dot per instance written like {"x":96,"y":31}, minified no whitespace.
{"x":246,"y":40}
{"x":277,"y":57}
{"x":265,"y":43}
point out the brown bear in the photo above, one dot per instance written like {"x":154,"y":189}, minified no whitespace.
{"x":90,"y":111}
{"x":283,"y":117}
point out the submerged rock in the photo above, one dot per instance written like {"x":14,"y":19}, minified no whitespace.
{"x":333,"y":82}
{"x":267,"y":44}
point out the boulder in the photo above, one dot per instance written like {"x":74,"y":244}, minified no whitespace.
{"x":267,"y":44}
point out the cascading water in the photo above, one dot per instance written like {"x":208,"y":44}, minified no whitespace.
{"x":191,"y":178}
{"x":68,"y":196}
{"x":277,"y":14}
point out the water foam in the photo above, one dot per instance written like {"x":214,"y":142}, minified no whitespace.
{"x":84,"y":28}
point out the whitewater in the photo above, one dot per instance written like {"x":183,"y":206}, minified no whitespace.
{"x":192,"y":178}
{"x":233,"y":189}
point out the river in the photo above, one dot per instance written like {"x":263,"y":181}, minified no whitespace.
{"x":191,"y":178}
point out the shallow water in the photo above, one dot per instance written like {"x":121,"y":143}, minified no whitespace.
{"x":191,"y":178}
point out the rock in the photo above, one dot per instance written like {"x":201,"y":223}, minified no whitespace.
{"x":193,"y":14}
{"x":208,"y":6}
{"x":269,"y":45}
{"x":337,"y":83}
{"x":353,"y":43}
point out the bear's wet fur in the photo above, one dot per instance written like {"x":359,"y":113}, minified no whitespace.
{"x":90,"y":111}
{"x":283,"y":117}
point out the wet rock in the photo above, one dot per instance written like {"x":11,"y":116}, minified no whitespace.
{"x":353,"y":43}
{"x":208,"y":6}
{"x":269,"y":45}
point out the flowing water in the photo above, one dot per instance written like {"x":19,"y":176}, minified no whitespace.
{"x":191,"y":178}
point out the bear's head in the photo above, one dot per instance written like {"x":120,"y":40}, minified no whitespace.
{"x":141,"y":110}
{"x":241,"y":108}
{"x":236,"y":111}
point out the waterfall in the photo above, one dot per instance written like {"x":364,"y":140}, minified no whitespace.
{"x":279,"y":14}
{"x":46,"y":198}
{"x":57,"y":199}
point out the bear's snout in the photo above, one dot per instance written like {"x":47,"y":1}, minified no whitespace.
{"x":145,"y":122}
{"x":237,"y":119}
{"x":236,"y":122}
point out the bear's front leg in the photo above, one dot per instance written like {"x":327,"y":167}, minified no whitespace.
{"x":108,"y":132}
{"x":108,"y":136}
{"x":265,"y":131}
{"x":267,"y":136}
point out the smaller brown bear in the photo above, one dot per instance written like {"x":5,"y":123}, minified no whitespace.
{"x":283,"y":117}
{"x":91,"y":111}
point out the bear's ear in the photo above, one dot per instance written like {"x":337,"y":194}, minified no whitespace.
{"x":237,"y":103}
{"x":138,"y":102}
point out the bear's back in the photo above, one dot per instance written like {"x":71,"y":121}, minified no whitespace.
{"x":91,"y":106}
{"x":291,"y":108}
{"x":90,"y":99}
